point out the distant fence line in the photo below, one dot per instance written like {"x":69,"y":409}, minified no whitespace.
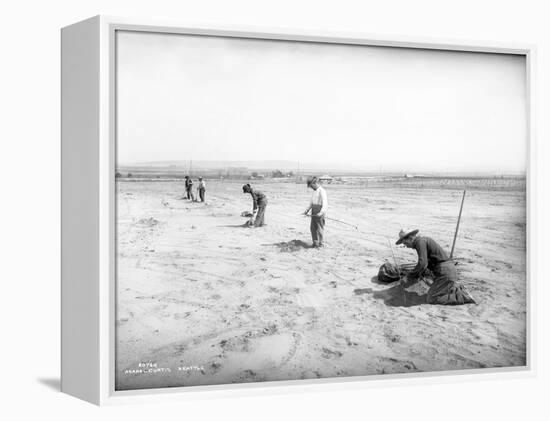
{"x":454,"y":183}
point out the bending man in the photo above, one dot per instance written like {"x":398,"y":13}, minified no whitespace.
{"x":318,"y":206}
{"x":445,"y":288}
{"x":259,"y":203}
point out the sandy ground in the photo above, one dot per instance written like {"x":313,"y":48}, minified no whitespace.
{"x":202,"y":300}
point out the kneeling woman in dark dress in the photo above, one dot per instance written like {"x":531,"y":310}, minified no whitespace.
{"x":445,"y":289}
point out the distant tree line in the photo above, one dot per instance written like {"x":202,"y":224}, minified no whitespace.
{"x":228,"y":174}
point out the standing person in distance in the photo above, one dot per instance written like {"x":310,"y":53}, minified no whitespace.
{"x":201,"y":189}
{"x":189,"y":188}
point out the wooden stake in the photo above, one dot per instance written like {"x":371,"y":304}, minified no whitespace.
{"x":458,"y":223}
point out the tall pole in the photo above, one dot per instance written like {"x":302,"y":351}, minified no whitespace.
{"x":458,"y":223}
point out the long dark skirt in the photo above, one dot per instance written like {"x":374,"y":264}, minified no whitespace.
{"x":201,"y":194}
{"x":445,"y":289}
{"x":260,"y":216}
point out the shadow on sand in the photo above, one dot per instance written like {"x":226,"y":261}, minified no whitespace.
{"x":394,"y":296}
{"x":245,"y":225}
{"x":290,"y":246}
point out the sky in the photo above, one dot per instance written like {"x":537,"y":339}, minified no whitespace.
{"x":183,"y":97}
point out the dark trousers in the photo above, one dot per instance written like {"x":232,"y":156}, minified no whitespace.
{"x":190,"y":194}
{"x":317,"y":226}
{"x":260,"y":216}
{"x":201,"y":194}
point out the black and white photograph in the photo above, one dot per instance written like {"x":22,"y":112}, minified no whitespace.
{"x":291,"y":210}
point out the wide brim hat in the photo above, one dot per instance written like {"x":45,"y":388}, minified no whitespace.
{"x":403,"y":235}
{"x":311,"y":180}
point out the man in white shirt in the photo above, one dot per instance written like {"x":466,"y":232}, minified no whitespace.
{"x":318,"y":206}
{"x":201,"y":189}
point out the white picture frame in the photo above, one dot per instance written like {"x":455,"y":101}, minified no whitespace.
{"x":88,"y":208}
